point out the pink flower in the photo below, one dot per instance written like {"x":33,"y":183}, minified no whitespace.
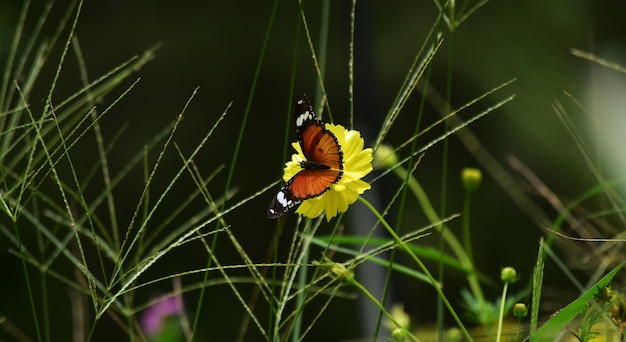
{"x":153,"y":318}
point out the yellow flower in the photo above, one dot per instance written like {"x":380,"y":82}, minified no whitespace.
{"x":357,"y":162}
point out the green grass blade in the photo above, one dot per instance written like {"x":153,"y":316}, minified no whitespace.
{"x":536,"y":294}
{"x":553,"y":327}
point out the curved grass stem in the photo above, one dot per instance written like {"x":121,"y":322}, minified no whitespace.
{"x":421,"y":265}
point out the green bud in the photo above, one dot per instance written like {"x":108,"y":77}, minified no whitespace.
{"x":508,"y":275}
{"x":340,"y":272}
{"x":385,"y":157}
{"x":471,"y":179}
{"x":454,"y":334}
{"x":520,"y":310}
{"x":398,"y":323}
{"x":399,"y":334}
{"x":400,"y":316}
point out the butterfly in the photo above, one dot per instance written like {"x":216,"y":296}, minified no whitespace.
{"x":323,"y":165}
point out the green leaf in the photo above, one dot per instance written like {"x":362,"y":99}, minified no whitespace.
{"x":557,"y":322}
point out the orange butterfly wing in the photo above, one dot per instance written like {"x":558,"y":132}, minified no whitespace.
{"x":323,"y":165}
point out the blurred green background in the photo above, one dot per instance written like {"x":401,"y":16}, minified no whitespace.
{"x":216,"y":46}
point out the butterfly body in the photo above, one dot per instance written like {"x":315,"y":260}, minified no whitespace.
{"x":311,"y":165}
{"x":323,"y":165}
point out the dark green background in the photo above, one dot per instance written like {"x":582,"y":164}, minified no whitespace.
{"x":216,"y":46}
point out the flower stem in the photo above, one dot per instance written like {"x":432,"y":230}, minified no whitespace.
{"x":467,"y":239}
{"x":447,"y":235}
{"x":381,"y":307}
{"x":501,"y":314}
{"x":421,"y":265}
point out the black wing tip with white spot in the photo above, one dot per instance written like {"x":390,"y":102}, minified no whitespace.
{"x":281,"y":203}
{"x":273,"y":213}
{"x":304,"y":111}
{"x":302,"y":97}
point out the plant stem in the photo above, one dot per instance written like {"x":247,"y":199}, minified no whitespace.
{"x":421,"y":265}
{"x":501,"y":315}
{"x":447,"y":235}
{"x":465,"y":221}
{"x":381,"y":307}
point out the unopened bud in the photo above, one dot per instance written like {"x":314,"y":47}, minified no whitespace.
{"x":520,"y":310}
{"x":471,"y":179}
{"x":508,"y":275}
{"x":385,"y":157}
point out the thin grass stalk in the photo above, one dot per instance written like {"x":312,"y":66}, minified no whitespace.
{"x":248,"y":263}
{"x":305,"y":287}
{"x":351,"y":66}
{"x":238,"y":142}
{"x":537,"y":283}
{"x":443,"y":189}
{"x":322,"y":54}
{"x":102,"y":156}
{"x":149,"y":262}
{"x":321,"y":85}
{"x":304,"y":244}
{"x":28,"y":286}
{"x":44,"y":51}
{"x":381,"y":308}
{"x":82,"y":265}
{"x":124,"y":252}
{"x":296,"y":328}
{"x":422,"y":59}
{"x":421,"y":265}
{"x":62,"y":59}
{"x":415,"y":74}
{"x":614,"y":198}
{"x":288,"y":128}
{"x":8,"y":69}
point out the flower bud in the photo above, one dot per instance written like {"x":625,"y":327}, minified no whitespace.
{"x":520,"y":310}
{"x":471,"y":179}
{"x":401,"y":317}
{"x":399,"y":334}
{"x":385,"y":157}
{"x":340,"y":272}
{"x":453,"y":334}
{"x":508,"y":275}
